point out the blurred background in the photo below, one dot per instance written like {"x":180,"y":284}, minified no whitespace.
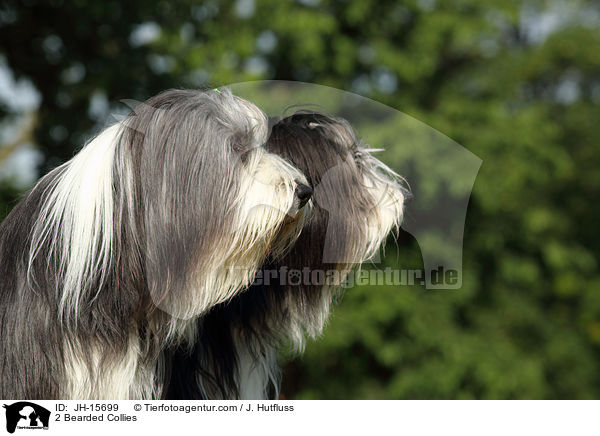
{"x":515,"y":82}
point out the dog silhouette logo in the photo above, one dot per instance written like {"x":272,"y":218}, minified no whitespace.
{"x":26,"y":415}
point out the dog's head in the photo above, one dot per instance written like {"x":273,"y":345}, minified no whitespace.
{"x":215,"y":202}
{"x":357,"y":201}
{"x":180,"y":201}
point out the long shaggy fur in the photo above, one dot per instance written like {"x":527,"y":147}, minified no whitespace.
{"x":357,"y":201}
{"x":113,"y":256}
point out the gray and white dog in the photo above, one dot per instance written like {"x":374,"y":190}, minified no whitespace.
{"x":357,"y":201}
{"x":112,"y":257}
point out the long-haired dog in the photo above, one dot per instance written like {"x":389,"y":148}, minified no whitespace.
{"x":357,"y":201}
{"x":112,"y":256}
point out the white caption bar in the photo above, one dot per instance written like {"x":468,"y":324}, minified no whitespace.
{"x":300,"y":417}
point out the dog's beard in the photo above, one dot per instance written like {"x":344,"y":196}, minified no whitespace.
{"x":261,"y":221}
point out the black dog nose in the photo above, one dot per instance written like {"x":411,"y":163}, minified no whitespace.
{"x":303,"y":194}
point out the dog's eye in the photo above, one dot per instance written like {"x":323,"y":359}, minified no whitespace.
{"x":240,"y":142}
{"x":238,"y":146}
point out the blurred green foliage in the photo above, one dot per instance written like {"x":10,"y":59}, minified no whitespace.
{"x":515,"y":82}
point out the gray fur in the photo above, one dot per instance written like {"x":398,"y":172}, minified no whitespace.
{"x":113,"y":256}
